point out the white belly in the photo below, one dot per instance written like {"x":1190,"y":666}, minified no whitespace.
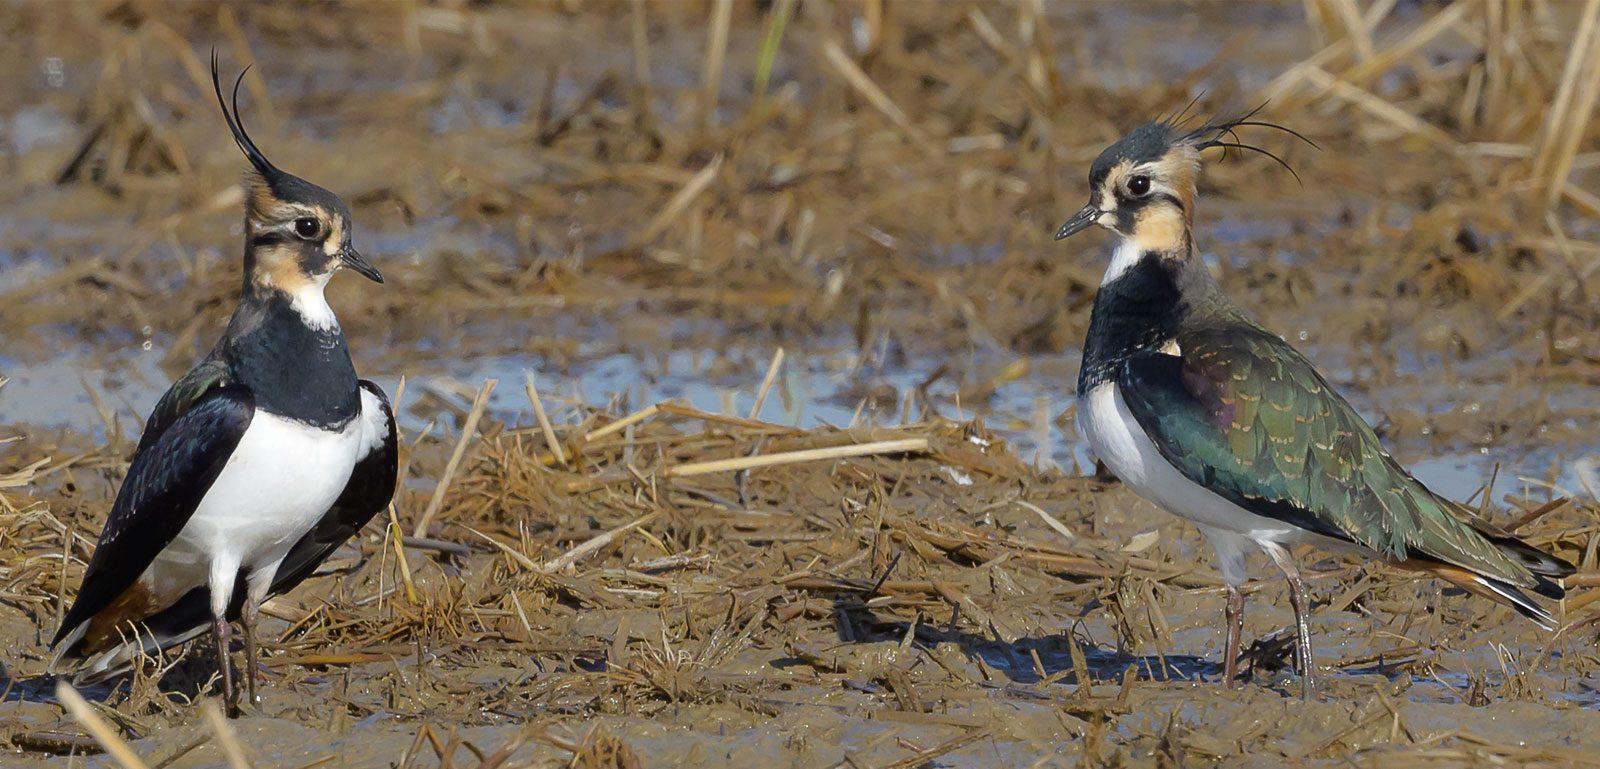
{"x":1128,"y":452}
{"x":282,"y":478}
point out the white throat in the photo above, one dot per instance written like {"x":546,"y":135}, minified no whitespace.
{"x":1126,"y":256}
{"x":312,"y":306}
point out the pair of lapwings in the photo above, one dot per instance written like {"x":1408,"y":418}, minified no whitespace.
{"x":270,"y":454}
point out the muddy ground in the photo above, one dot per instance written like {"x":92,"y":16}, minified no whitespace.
{"x":633,"y":207}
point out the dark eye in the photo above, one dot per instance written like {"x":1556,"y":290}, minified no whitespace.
{"x":307,"y":227}
{"x":1139,"y":186}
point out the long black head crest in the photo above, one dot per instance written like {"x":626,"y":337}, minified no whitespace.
{"x":1222,"y":133}
{"x":240,"y":137}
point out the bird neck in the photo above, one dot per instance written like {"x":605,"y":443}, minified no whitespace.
{"x":1143,"y":299}
{"x":295,"y":366}
{"x":1163,"y":229}
{"x":276,"y":273}
{"x":308,"y":302}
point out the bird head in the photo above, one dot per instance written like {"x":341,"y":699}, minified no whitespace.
{"x":1142,"y":187}
{"x":297,"y":234}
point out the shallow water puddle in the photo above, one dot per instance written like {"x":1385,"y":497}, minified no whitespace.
{"x":1026,"y":403}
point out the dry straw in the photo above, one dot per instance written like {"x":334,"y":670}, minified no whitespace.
{"x":468,"y":432}
{"x":104,"y":733}
{"x":616,"y":567}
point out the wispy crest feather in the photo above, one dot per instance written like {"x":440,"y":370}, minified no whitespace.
{"x":1222,"y":133}
{"x":240,"y":137}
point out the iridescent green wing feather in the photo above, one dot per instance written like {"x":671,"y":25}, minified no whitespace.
{"x":211,"y":373}
{"x":1242,"y":413}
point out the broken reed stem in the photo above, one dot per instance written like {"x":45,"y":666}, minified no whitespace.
{"x":395,"y":531}
{"x":1564,"y":92}
{"x":902,"y":446}
{"x":23,"y":475}
{"x":641,"y":44}
{"x":515,"y":554}
{"x":1565,"y":122}
{"x":188,"y":748}
{"x":544,"y":419}
{"x":1378,"y":107}
{"x":777,"y":21}
{"x":225,"y":736}
{"x":926,"y":757}
{"x":107,"y":416}
{"x":694,"y":413}
{"x":1581,"y":199}
{"x":631,"y":419}
{"x":1363,"y":70}
{"x":396,"y":537}
{"x":735,"y":464}
{"x":571,"y":557}
{"x":68,"y":533}
{"x":1574,"y":103}
{"x":1314,"y":20}
{"x":766,"y":383}
{"x":103,"y":733}
{"x":674,"y":409}
{"x":679,"y":202}
{"x":395,"y":404}
{"x":1424,"y":33}
{"x":716,"y":54}
{"x":467,"y":431}
{"x":1538,"y":284}
{"x":1355,"y":27}
{"x":857,"y":79}
{"x":1049,"y":520}
{"x":47,"y":285}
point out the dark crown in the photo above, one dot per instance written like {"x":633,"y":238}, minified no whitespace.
{"x":1153,"y":140}
{"x":281,"y":184}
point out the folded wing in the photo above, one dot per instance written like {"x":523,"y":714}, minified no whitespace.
{"x":369,"y":490}
{"x":170,"y":473}
{"x":1242,"y":413}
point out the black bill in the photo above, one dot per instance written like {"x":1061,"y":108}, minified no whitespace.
{"x":355,"y":261}
{"x":1085,"y":217}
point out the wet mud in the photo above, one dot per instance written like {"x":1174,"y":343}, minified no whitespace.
{"x":584,"y":196}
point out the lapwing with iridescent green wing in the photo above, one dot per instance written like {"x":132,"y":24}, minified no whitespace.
{"x":1198,"y":408}
{"x":256,"y":465}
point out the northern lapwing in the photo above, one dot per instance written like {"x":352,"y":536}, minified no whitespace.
{"x":254,"y":466}
{"x":1198,"y":408}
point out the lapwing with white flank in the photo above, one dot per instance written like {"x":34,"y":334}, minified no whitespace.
{"x":256,"y":465}
{"x":1199,"y":409}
